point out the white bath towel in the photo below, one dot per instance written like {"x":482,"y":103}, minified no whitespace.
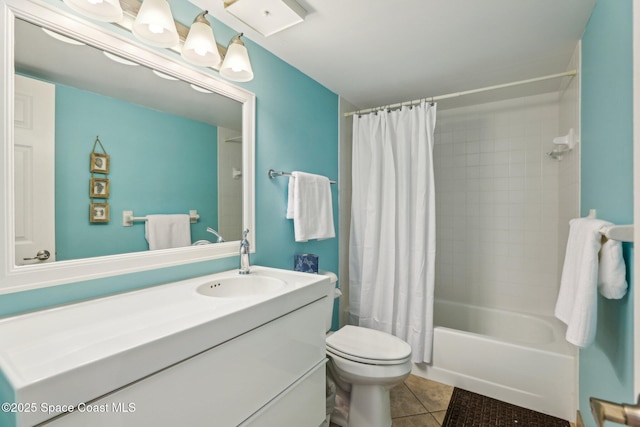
{"x":612,"y":282}
{"x":167,"y":231}
{"x":577,"y":300}
{"x":310,"y":206}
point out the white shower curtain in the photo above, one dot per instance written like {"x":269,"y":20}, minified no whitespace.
{"x":392,"y":241}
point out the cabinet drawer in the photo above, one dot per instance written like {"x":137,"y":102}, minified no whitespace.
{"x":220,"y":387}
{"x":301,"y":405}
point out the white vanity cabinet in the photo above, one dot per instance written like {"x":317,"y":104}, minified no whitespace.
{"x":271,"y":365}
{"x":247,"y":362}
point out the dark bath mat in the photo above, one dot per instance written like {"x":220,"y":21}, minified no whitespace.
{"x":467,"y":409}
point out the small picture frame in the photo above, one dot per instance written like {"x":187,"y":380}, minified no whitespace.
{"x":99,"y":163}
{"x":99,"y":188}
{"x":99,"y":212}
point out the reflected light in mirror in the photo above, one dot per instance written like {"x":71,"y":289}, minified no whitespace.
{"x":62,"y":38}
{"x":200,"y":89}
{"x":119,"y":60}
{"x":163,"y":75}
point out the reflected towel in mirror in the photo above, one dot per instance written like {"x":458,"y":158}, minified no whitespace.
{"x":167,"y":231}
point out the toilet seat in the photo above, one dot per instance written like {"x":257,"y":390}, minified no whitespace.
{"x":368,"y":346}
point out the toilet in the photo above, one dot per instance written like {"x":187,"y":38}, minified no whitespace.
{"x":366,"y":364}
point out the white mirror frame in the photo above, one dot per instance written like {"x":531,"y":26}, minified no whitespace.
{"x":20,"y":278}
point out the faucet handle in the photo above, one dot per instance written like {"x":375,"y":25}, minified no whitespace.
{"x":245,"y":232}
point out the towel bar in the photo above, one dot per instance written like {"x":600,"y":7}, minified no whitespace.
{"x":623,"y":233}
{"x":274,"y":173}
{"x":128,"y":218}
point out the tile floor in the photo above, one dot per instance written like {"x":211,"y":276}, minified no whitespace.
{"x":419,"y":402}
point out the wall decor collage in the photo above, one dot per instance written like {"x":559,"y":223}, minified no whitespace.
{"x":99,"y":185}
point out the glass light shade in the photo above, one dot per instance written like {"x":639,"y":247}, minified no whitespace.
{"x":236,"y":65}
{"x":154,"y":24}
{"x":101,"y":10}
{"x":200,"y":46}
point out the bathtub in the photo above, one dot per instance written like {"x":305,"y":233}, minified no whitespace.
{"x":517,"y":358}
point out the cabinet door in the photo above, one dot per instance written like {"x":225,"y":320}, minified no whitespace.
{"x":221,"y":387}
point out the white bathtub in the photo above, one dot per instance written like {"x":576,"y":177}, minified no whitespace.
{"x":517,"y":358}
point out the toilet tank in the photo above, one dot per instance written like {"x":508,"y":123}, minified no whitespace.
{"x":332,"y":294}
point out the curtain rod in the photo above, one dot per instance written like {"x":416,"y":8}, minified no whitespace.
{"x":467,"y":92}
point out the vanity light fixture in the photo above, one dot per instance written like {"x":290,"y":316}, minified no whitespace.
{"x":236,"y":65}
{"x":200,"y":47}
{"x":154,"y":24}
{"x":101,"y":10}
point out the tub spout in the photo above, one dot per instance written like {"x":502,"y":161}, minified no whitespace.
{"x":615,"y":412}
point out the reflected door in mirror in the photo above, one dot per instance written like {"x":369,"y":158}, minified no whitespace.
{"x":34,"y":169}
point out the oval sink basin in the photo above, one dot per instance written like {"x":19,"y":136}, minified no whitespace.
{"x":241,"y":286}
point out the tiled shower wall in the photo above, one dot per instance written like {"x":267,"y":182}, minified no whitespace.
{"x":229,"y":187}
{"x":498,"y":204}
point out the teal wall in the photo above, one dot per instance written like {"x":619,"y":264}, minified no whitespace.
{"x":606,"y":367}
{"x":160,"y":164}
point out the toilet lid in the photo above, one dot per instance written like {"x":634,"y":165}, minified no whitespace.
{"x":368,"y":345}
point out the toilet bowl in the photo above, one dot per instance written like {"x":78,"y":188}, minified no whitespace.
{"x":367,"y":364}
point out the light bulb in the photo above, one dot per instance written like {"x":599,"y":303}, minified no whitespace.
{"x":156,"y":29}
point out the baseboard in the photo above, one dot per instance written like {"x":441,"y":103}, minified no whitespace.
{"x":579,"y":421}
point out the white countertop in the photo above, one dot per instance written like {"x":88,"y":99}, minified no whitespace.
{"x":78,"y":352}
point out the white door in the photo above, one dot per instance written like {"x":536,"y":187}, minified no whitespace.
{"x":34,"y":170}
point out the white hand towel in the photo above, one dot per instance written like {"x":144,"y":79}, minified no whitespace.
{"x":167,"y":231}
{"x":310,"y":206}
{"x":612,"y":281}
{"x":577,"y":300}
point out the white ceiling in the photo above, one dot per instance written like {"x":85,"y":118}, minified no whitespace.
{"x":377,"y":52}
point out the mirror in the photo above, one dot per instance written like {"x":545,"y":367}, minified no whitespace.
{"x":177,"y":139}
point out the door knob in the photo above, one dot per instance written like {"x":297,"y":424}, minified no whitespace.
{"x":616,"y":412}
{"x":42,"y":255}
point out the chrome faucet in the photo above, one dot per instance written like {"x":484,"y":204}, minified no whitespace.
{"x":215,"y":233}
{"x":244,"y":253}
